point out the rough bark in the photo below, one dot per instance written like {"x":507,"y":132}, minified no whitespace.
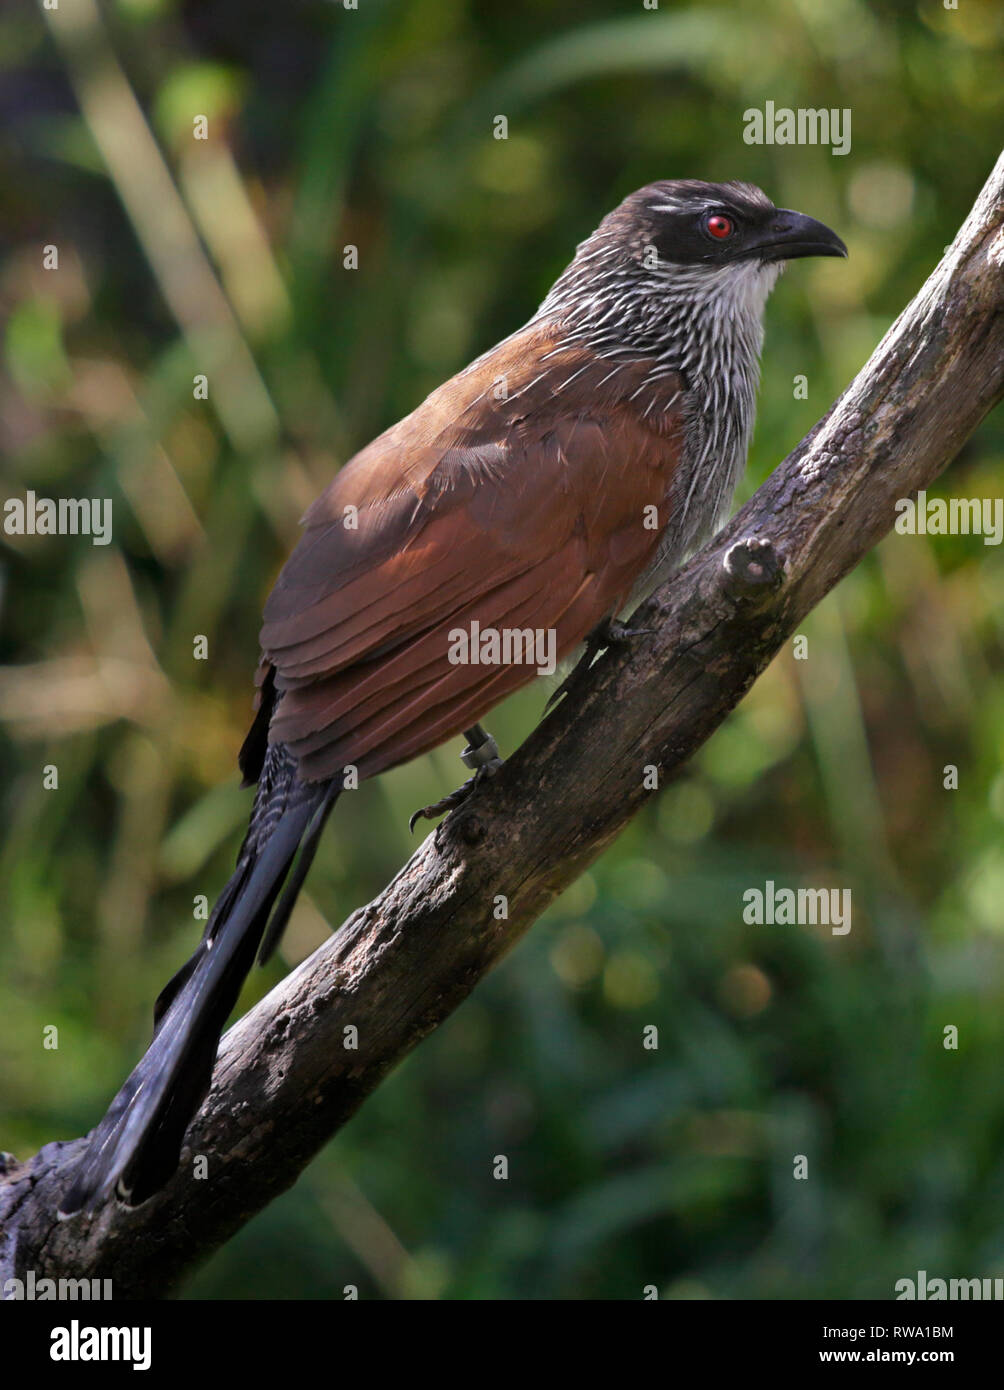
{"x":284,"y":1082}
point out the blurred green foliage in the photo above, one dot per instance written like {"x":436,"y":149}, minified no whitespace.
{"x":373,"y":127}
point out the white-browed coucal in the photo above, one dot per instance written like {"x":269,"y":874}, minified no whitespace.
{"x":563,"y":473}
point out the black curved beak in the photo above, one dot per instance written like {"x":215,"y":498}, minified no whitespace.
{"x":789,"y":235}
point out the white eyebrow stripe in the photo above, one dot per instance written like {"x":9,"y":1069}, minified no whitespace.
{"x":706,"y":206}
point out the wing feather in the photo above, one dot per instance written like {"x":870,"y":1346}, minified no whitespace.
{"x":526,"y":509}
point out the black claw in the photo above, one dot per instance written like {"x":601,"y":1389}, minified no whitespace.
{"x":609,"y":633}
{"x":446,"y":804}
{"x":482,"y":746}
{"x":613,"y":633}
{"x":566,"y":685}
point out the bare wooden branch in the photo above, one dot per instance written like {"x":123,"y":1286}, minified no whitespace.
{"x":284,"y":1082}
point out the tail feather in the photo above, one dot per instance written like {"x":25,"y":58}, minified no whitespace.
{"x":281,"y":915}
{"x":136,"y":1147}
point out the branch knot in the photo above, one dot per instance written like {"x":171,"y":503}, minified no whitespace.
{"x":753,"y":569}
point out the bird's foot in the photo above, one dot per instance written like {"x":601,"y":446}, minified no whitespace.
{"x":481,"y":754}
{"x":609,"y":633}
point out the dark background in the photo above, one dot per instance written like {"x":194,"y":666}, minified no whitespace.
{"x":374,"y":127}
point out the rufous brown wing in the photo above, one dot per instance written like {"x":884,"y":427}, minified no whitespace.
{"x":518,"y":495}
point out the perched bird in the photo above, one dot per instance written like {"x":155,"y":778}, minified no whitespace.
{"x":562,"y":474}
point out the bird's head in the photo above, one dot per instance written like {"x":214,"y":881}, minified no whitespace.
{"x":679,"y":246}
{"x":684,"y":222}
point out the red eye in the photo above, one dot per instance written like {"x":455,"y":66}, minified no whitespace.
{"x":719,"y":226}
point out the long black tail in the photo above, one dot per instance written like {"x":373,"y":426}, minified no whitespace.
{"x":136,"y":1147}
